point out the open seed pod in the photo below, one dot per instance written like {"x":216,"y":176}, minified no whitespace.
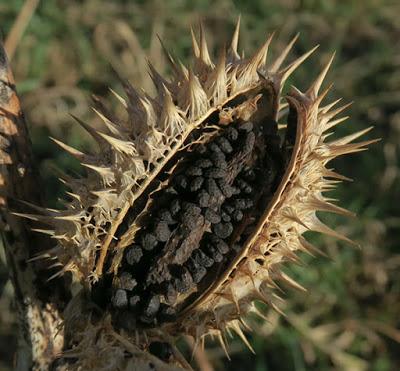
{"x":193,"y":203}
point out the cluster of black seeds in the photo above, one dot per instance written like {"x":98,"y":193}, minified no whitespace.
{"x":198,"y":222}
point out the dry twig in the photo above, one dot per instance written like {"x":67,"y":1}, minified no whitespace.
{"x":19,"y":26}
{"x":38,"y":301}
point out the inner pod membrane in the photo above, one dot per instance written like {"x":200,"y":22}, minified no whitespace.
{"x":200,"y":216}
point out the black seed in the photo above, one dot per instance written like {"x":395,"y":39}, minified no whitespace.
{"x":161,"y":350}
{"x":197,"y":271}
{"x":213,"y":190}
{"x":246,"y":126}
{"x":214,"y":147}
{"x":134,"y":300}
{"x":214,"y":253}
{"x":151,"y":307}
{"x":211,"y":186}
{"x":189,"y":210}
{"x":225,"y":216}
{"x":134,"y":254}
{"x":196,"y":184}
{"x":204,"y":163}
{"x":199,"y":274}
{"x":240,"y":204}
{"x":161,"y":231}
{"x":194,"y":171}
{"x":190,"y":223}
{"x":218,"y":257}
{"x":248,"y":190}
{"x":231,"y":133}
{"x":244,"y":186}
{"x":149,"y":241}
{"x":219,"y":161}
{"x":237,"y":215}
{"x":220,"y":164}
{"x":223,"y":230}
{"x":226,"y":189}
{"x":217,"y":156}
{"x":236,"y":247}
{"x":249,"y":203}
{"x":180,"y":285}
{"x":166,"y":216}
{"x":192,"y":266}
{"x":215,"y":173}
{"x":203,"y":198}
{"x":212,"y":216}
{"x":224,"y":145}
{"x":181,"y":181}
{"x":249,"y":143}
{"x":120,"y":299}
{"x":228,"y":208}
{"x":126,"y":281}
{"x":220,"y":245}
{"x":202,"y":259}
{"x":175,"y":207}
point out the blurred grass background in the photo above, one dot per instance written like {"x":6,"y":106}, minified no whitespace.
{"x":350,"y":317}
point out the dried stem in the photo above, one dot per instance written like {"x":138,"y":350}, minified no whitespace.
{"x":39,"y":303}
{"x":19,"y":26}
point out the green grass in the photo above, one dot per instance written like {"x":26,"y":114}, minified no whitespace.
{"x":348,"y":320}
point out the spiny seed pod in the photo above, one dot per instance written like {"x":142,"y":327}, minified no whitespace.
{"x":193,"y":203}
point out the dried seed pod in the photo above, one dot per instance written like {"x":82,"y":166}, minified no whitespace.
{"x":218,"y":122}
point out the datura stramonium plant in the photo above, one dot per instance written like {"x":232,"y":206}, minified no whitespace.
{"x":193,"y":203}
